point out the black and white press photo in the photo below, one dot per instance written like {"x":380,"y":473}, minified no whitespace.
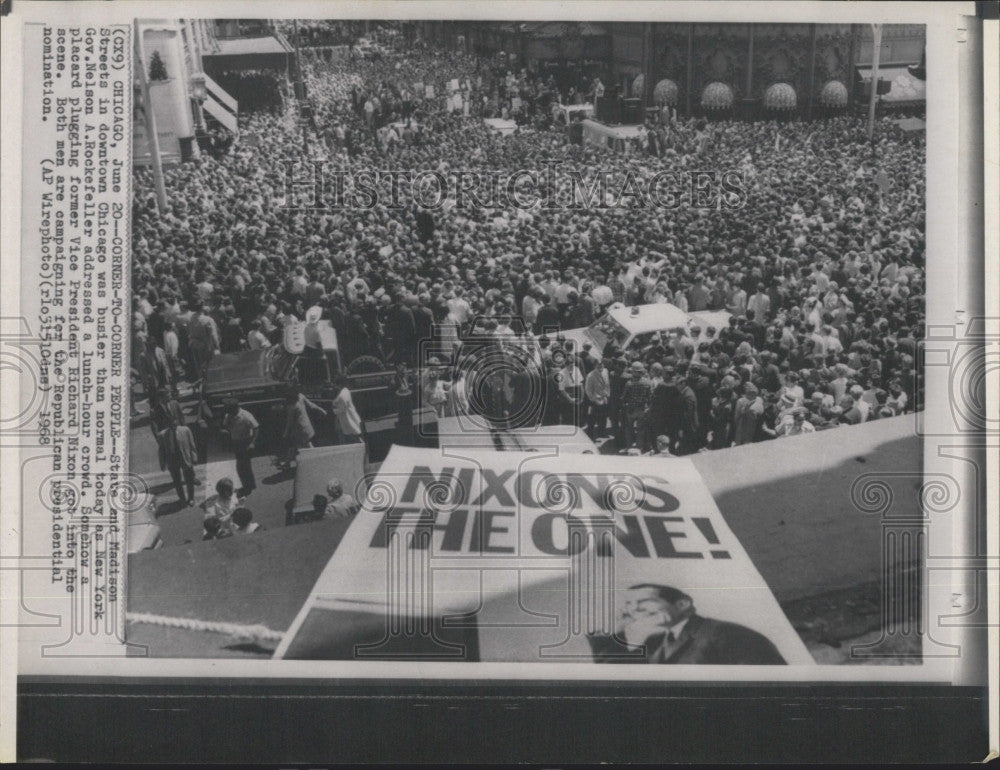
{"x":376,"y":262}
{"x":448,"y":381}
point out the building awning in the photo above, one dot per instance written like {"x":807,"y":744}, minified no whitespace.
{"x":220,"y":94}
{"x":220,"y":113}
{"x":220,"y":105}
{"x":246,"y":46}
{"x":249,"y":53}
{"x":903,"y":86}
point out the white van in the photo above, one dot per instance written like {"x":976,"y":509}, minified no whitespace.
{"x":625,"y":325}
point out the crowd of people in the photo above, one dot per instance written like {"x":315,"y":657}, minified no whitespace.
{"x":821,"y":267}
{"x":260,"y":90}
{"x":315,"y":32}
{"x":228,"y":514}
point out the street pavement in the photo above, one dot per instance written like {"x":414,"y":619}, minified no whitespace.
{"x":180,"y":524}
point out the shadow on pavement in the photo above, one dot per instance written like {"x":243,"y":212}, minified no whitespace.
{"x":175,"y":506}
{"x":279,"y":477}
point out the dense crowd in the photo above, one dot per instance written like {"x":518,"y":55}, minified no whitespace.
{"x":821,"y":268}
{"x":255,"y":90}
{"x":312,"y":33}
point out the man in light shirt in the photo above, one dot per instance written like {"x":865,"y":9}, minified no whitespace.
{"x":530,"y":305}
{"x":760,"y":303}
{"x":349,"y":423}
{"x":459,"y":307}
{"x":738,"y":302}
{"x":602,"y":295}
{"x":832,"y":347}
{"x":339,"y":505}
{"x":864,"y":407}
{"x":597,"y":389}
{"x":256,"y":339}
{"x":300,"y":282}
{"x":203,"y":337}
{"x":243,"y":430}
{"x":820,"y":278}
{"x":570,"y":382}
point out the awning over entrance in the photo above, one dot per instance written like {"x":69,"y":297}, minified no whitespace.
{"x":247,"y":53}
{"x":245,"y":46}
{"x":221,"y":95}
{"x":220,"y":105}
{"x":221,"y":114}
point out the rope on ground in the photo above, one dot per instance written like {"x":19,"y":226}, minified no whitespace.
{"x":243,"y":632}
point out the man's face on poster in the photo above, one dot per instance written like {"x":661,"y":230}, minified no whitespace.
{"x":649,"y":607}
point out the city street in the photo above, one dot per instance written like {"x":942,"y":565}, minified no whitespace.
{"x":182,"y":525}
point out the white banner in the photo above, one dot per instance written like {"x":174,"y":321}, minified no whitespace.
{"x":512,"y":556}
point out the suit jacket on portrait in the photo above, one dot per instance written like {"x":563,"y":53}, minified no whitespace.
{"x":702,"y":640}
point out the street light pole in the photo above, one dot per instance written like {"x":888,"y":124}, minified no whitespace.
{"x":300,"y":88}
{"x":154,"y":138}
{"x":873,"y":96}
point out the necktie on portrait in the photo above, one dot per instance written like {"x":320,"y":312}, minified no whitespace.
{"x":654,"y":648}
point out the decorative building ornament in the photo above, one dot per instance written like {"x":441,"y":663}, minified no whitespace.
{"x":666,"y":93}
{"x":780,"y":96}
{"x":834,"y":94}
{"x":717,"y":96}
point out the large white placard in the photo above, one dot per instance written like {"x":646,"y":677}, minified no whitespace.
{"x":523,"y":556}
